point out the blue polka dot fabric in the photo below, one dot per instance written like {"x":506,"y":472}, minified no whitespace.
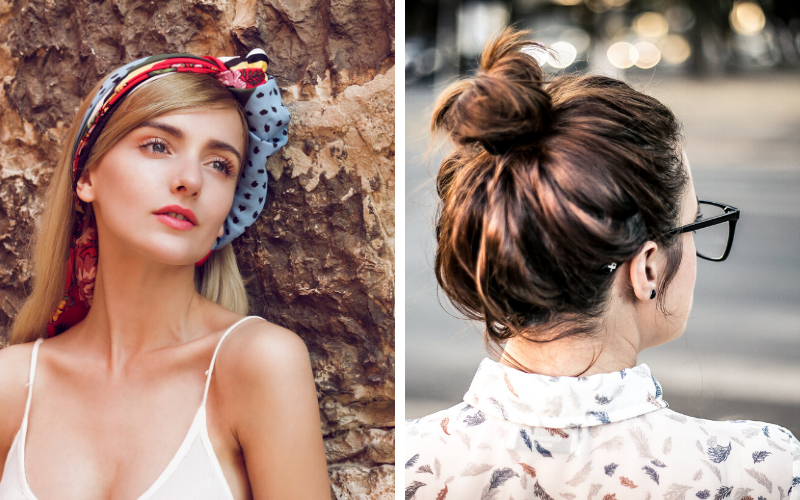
{"x":268,"y":122}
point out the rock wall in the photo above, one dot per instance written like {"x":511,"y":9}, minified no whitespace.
{"x":320,"y":260}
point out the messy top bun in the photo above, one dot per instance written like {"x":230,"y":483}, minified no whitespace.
{"x":503,"y":105}
{"x":549,"y":183}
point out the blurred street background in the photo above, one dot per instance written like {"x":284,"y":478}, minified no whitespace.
{"x":731,"y":72}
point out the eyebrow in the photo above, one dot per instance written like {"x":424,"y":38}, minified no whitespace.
{"x":176,"y":132}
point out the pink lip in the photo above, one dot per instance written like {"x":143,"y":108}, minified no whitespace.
{"x":183,"y":225}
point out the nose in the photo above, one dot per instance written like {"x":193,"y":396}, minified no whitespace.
{"x":189,"y":178}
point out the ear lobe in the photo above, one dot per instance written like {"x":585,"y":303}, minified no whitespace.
{"x":84,"y":188}
{"x":644,"y":271}
{"x":221,"y":230}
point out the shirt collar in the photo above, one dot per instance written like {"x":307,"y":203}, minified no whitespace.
{"x":563,"y":402}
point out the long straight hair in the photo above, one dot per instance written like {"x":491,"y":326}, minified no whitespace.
{"x":218,"y":278}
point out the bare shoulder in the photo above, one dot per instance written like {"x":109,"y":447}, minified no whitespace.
{"x":15,"y":356}
{"x":257,"y":352}
{"x":15,"y":362}
{"x":267,"y":390}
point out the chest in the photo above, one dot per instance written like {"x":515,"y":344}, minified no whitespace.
{"x":117,"y":439}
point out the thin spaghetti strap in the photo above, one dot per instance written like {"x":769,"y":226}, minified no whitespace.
{"x":214,"y":358}
{"x":34,"y":356}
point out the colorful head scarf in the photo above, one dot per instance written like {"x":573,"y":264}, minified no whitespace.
{"x":268,"y":123}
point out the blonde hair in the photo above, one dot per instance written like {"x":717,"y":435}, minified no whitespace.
{"x":218,"y":279}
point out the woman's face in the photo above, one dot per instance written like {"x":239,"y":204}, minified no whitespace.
{"x":680,"y":293}
{"x":165,"y":189}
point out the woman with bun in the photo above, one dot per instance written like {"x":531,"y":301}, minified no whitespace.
{"x":133,"y":370}
{"x":569,"y":225}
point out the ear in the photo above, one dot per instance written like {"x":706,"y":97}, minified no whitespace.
{"x":84,"y":187}
{"x":221,"y":230}
{"x":644,"y":271}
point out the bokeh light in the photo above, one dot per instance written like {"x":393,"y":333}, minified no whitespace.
{"x":600,"y":6}
{"x":563,"y":55}
{"x":623,"y":55}
{"x":651,"y":25}
{"x":675,"y":49}
{"x":649,"y":55}
{"x":680,"y":19}
{"x":597,"y":6}
{"x":567,"y":2}
{"x":476,"y":23}
{"x":747,"y":18}
{"x":579,"y":39}
{"x":540,"y":54}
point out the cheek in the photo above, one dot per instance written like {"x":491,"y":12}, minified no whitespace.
{"x":121,"y":188}
{"x":682,"y":288}
{"x":220,"y":201}
{"x":690,"y":259}
{"x":127,"y":188}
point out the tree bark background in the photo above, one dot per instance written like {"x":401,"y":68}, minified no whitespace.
{"x":320,"y":259}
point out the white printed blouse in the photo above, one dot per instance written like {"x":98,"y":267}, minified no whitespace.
{"x":605,"y":437}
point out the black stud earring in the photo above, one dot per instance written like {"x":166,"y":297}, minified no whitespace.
{"x":652,"y":295}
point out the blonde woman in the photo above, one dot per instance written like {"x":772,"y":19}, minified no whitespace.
{"x":145,"y":379}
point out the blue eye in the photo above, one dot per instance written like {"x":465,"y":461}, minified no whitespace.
{"x":155,"y":146}
{"x":222,"y":165}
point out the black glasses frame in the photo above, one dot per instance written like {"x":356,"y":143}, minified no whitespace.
{"x":730,"y":216}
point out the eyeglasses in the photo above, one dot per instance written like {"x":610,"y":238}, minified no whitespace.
{"x":714,"y":243}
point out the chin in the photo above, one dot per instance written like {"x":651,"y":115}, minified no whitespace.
{"x":175,"y":251}
{"x":179,"y":258}
{"x":668,"y":329}
{"x":677,"y":329}
{"x":678,"y":334}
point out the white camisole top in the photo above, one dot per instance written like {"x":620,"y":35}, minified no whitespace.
{"x":193,"y":473}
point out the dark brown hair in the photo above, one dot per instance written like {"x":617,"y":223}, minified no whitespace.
{"x":549,"y":183}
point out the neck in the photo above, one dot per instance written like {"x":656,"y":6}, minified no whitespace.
{"x":612,"y":347}
{"x":140,"y":306}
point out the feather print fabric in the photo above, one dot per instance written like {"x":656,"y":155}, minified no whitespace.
{"x":601,"y":437}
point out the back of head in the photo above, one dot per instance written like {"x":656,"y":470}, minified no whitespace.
{"x":218,"y":278}
{"x":549,"y":183}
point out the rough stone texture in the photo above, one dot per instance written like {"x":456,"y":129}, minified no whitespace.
{"x":363,"y":483}
{"x":320,"y":260}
